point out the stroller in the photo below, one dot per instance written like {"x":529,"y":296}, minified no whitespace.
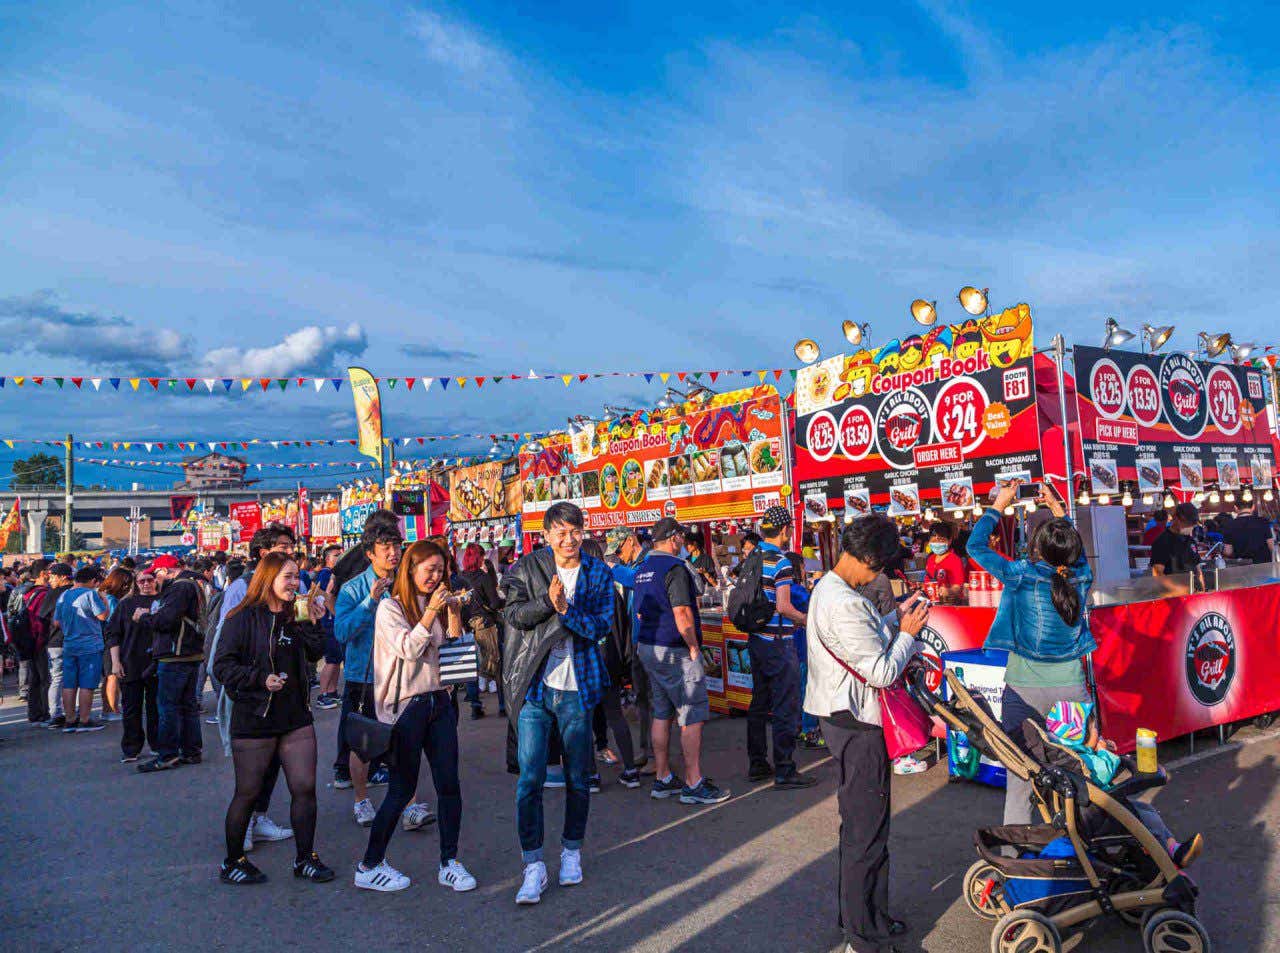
{"x":1091,"y":858}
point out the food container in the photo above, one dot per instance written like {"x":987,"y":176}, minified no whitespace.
{"x":1148,"y":761}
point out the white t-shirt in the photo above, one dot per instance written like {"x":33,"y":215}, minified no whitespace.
{"x":559,"y":672}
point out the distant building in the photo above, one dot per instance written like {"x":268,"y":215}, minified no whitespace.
{"x":212,"y":471}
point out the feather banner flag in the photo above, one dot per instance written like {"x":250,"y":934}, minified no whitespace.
{"x":368,"y":412}
{"x":12,"y":523}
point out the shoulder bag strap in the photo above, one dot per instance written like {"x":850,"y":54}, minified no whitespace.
{"x":839,"y":661}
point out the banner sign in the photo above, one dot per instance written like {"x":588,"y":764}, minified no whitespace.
{"x":934,"y":418}
{"x":364,"y":389}
{"x":326,"y":521}
{"x":721,"y":460}
{"x":1167,"y":421}
{"x":1186,"y":663}
{"x":248,"y":517}
{"x":485,"y":491}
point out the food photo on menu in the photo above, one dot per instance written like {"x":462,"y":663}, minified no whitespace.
{"x":1228,"y":473}
{"x":904,"y":500}
{"x":858,"y":502}
{"x":815,"y":506}
{"x":610,"y":485}
{"x":957,"y":492}
{"x":1150,"y":475}
{"x":1103,"y":477}
{"x":1191,"y":474}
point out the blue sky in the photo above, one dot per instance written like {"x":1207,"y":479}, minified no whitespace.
{"x":432,"y":189}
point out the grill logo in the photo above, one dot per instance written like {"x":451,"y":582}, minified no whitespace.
{"x":1182,"y":386}
{"x":1211,"y":659}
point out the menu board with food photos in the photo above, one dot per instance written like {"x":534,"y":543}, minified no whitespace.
{"x":932,"y":419}
{"x":1166,"y":421}
{"x":484,"y":491}
{"x":722,"y":459}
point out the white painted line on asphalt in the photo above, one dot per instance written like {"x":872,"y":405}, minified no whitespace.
{"x":1262,"y":736}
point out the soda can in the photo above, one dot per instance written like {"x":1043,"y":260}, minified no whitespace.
{"x":931,"y":591}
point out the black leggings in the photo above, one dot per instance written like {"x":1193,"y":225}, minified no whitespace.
{"x":253,"y":757}
{"x":609,"y":712}
{"x":429,"y":725}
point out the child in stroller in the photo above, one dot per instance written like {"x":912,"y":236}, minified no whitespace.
{"x":1071,"y":725}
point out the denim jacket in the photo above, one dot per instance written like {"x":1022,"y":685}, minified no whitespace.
{"x":353,"y":620}
{"x":1026,"y":622}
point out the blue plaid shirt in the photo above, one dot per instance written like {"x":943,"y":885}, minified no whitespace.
{"x":590,"y":617}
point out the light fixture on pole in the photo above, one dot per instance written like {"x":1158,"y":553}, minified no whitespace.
{"x":671,"y":398}
{"x":1239,"y":352}
{"x":806,"y":350}
{"x":1148,"y":499}
{"x":855,"y":333}
{"x":1104,"y":499}
{"x":925,"y":312}
{"x":1169,"y":501}
{"x":1083,"y":498}
{"x":1116,"y":335}
{"x":1198,"y":499}
{"x":1215,"y":498}
{"x":1214,"y":344}
{"x":1127,"y":499}
{"x":973,"y":300}
{"x":1156,"y":337}
{"x":1247,"y":496}
{"x":1229,"y":496}
{"x":1268,"y":496}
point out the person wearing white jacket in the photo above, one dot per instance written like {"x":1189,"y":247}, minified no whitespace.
{"x":847,"y":635}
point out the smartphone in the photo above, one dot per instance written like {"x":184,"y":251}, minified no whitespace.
{"x":1029,"y":491}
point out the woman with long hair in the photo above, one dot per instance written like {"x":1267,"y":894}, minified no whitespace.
{"x":485,"y":606}
{"x":408,"y":631}
{"x":1040,"y":622}
{"x":265,"y":654}
{"x":117,"y":584}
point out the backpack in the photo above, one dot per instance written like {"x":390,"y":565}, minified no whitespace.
{"x":34,"y":626}
{"x":17,"y":624}
{"x":749,"y":609}
{"x":210,"y":613}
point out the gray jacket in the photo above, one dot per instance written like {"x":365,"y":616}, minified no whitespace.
{"x":848,"y":625}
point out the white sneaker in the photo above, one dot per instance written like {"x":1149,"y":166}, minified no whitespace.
{"x":454,"y":875}
{"x":535,"y":881}
{"x":264,"y":828}
{"x":909,"y":765}
{"x":384,"y":878}
{"x":570,"y":867}
{"x":248,"y":837}
{"x":365,"y":813}
{"x":416,"y":816}
{"x":493,"y":687}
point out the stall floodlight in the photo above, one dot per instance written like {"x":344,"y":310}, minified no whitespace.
{"x":1104,"y":500}
{"x":1169,"y":501}
{"x":1008,"y":511}
{"x":1214,"y":344}
{"x":1198,"y":499}
{"x":929,"y":514}
{"x":958,"y":514}
{"x":1127,"y":499}
{"x":977,"y":510}
{"x":1229,"y":496}
{"x":1156,"y":337}
{"x":1083,"y":500}
{"x":925,"y":312}
{"x":1116,"y":335}
{"x":1248,"y":495}
{"x":856,"y":333}
{"x":1215,"y":498}
{"x":1147,"y":499}
{"x":973,"y":300}
{"x":1241,"y":351}
{"x":806,"y":350}
{"x":1268,"y":496}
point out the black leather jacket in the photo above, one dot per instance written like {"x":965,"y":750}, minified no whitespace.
{"x":533,"y":626}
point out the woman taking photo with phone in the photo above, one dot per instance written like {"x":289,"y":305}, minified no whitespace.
{"x":1040,"y":622}
{"x":268,"y":646}
{"x":408,"y":631}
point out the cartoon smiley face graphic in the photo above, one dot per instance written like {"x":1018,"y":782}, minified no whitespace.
{"x":888,"y":358}
{"x":859,"y":368}
{"x":1006,"y":334}
{"x":911,"y":353}
{"x":967,"y":340}
{"x":937,"y":345}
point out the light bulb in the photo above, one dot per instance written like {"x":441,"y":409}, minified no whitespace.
{"x":848,"y":518}
{"x":1127,"y":499}
{"x":1104,"y":499}
{"x":1084,"y":498}
{"x":977,"y":510}
{"x":1147,"y":499}
{"x":1268,"y":496}
{"x":1229,"y":496}
{"x":958,"y":514}
{"x":1215,"y":498}
{"x":928,"y":514}
{"x":1169,"y":502}
{"x":1008,"y":511}
{"x":1198,"y":499}
{"x":1247,"y":496}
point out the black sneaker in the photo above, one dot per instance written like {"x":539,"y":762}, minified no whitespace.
{"x":379,"y":777}
{"x":795,"y":780}
{"x":313,"y":869}
{"x":341,"y":782}
{"x":69,"y":727}
{"x":159,"y":764}
{"x":129,"y":759}
{"x":705,"y":793}
{"x":327,"y":701}
{"x":760,"y":771}
{"x":665,"y":789}
{"x":191,"y":758}
{"x":243,"y":872}
{"x":811,"y":740}
{"x":630,"y":779}
{"x":593,"y":783}
{"x":90,"y":725}
{"x":476,"y":712}
{"x":54,"y":724}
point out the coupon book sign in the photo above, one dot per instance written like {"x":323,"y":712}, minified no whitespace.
{"x":935,"y":419}
{"x":1167,"y":421}
{"x":719,"y":461}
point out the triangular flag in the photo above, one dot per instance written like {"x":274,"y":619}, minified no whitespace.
{"x":714,"y":375}
{"x":96,"y":382}
{"x":19,"y":380}
{"x":190,"y":382}
{"x":133,"y":382}
{"x":127,"y":445}
{"x":208,"y":383}
{"x":9,"y":444}
{"x":226,"y":384}
{"x":479,"y":381}
{"x":265,"y":382}
{"x":762,"y":374}
{"x":697,"y":375}
{"x":665,"y":375}
{"x":444,"y":383}
{"x":681,"y":375}
{"x":148,"y":446}
{"x":283,"y":382}
{"x":793,"y":373}
{"x":58,"y":381}
{"x":777,"y":375}
{"x":245,"y":384}
{"x":391,"y":382}
{"x":648,"y":378}
{"x":337,"y":385}
{"x":301,"y":381}
{"x":38,"y":381}
{"x":319,"y":383}
{"x":566,"y":378}
{"x":426,"y":384}
{"x":532,"y":375}
{"x":77,"y":381}
{"x":583,"y":377}
{"x":212,"y":447}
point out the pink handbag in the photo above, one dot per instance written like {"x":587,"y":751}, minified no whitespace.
{"x":907,"y":727}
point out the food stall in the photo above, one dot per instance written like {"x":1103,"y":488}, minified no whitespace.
{"x":484,"y":504}
{"x":356,"y":501}
{"x":718,"y":460}
{"x":246,"y":519}
{"x":326,"y":522}
{"x":923,"y":428}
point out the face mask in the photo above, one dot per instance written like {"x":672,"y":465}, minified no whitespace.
{"x":939,"y":549}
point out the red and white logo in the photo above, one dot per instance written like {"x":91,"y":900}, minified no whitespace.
{"x":958,"y":411}
{"x":1017,"y":384}
{"x":857,"y":432}
{"x":1144,"y":395}
{"x":1182,"y":389}
{"x":933,"y":645}
{"x":901,"y":424}
{"x":1211,"y":659}
{"x":1106,"y":385}
{"x":821,"y":436}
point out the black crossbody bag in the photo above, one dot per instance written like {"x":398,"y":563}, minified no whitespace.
{"x":370,"y":738}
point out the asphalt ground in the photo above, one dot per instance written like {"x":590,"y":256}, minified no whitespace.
{"x":99,"y":856}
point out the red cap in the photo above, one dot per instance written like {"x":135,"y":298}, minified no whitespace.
{"x":166,"y":561}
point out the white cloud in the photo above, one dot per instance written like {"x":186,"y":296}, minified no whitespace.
{"x":454,"y":45}
{"x":307,"y":349}
{"x":39,"y":324}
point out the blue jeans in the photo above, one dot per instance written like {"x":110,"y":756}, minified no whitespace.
{"x":533,"y":728}
{"x":179,"y":709}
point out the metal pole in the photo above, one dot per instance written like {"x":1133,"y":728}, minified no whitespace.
{"x":68,"y":498}
{"x":1060,"y":359}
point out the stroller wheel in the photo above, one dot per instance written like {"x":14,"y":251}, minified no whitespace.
{"x":1026,"y":931}
{"x":1172,"y":931}
{"x":984,"y":891}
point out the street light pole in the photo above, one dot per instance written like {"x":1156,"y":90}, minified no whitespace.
{"x":68,"y":498}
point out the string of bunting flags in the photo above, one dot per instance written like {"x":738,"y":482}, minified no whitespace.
{"x":314,"y":465}
{"x":152,"y":446}
{"x":262,"y":384}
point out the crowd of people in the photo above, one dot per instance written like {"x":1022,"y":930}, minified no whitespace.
{"x":580,"y":630}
